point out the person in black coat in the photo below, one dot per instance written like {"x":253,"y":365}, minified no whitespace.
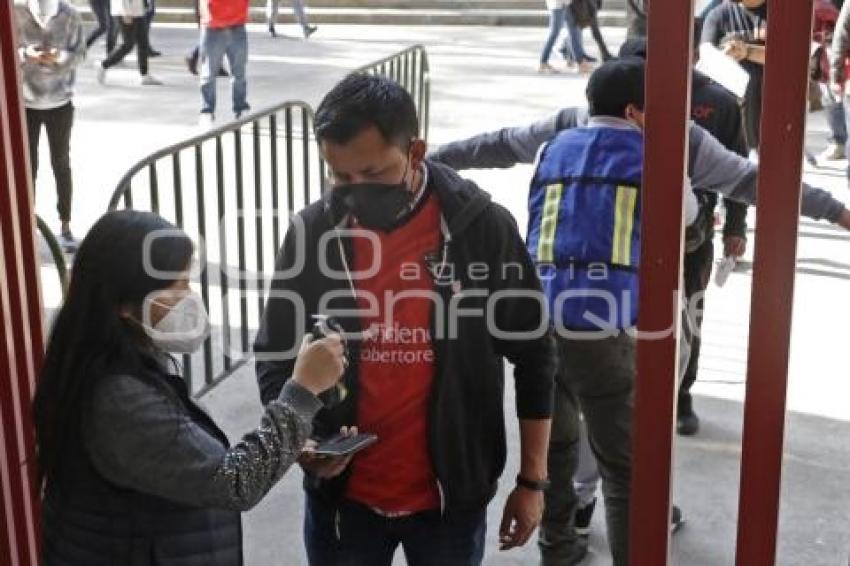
{"x":132,"y":470}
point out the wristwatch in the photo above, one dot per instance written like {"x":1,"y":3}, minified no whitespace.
{"x":541,"y":485}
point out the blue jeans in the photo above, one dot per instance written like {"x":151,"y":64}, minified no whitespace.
{"x":574,"y":34}
{"x":354,"y":535}
{"x":557,"y":19}
{"x":556,"y":22}
{"x":835,"y":117}
{"x":215,"y":44}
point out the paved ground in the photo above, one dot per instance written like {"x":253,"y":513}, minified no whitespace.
{"x":484,"y":78}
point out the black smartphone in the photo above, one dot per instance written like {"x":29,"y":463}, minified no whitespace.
{"x":342,"y":445}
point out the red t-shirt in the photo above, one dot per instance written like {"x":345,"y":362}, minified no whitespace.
{"x":395,"y":474}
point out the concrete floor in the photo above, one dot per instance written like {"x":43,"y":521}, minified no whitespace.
{"x":484,"y":78}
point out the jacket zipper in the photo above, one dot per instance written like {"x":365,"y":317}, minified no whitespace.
{"x":437,"y":365}
{"x":442,"y":499}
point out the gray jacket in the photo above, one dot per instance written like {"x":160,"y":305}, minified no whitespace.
{"x":140,"y":436}
{"x":711,"y":166}
{"x":50,"y":86}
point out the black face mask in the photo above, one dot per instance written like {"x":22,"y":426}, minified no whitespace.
{"x":377,"y":206}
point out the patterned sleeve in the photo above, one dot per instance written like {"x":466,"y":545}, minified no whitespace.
{"x":141,"y":438}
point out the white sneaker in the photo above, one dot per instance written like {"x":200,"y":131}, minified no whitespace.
{"x":101,"y":73}
{"x":150,"y":80}
{"x":206,"y":120}
{"x":834,"y":152}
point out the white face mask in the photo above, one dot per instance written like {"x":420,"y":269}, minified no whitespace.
{"x":183,"y":329}
{"x":43,"y":10}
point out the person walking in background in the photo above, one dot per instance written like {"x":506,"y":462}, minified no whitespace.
{"x":739,"y":28}
{"x":223,"y":34}
{"x":838,"y":57}
{"x":50,"y":47}
{"x":194,"y":54}
{"x":105,"y":24}
{"x":585,"y":14}
{"x":150,"y":14}
{"x":132,"y":471}
{"x":300,"y":15}
{"x":559,"y":15}
{"x":130,"y":15}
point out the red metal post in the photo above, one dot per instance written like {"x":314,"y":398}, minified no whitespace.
{"x":667,"y":96}
{"x":21,"y":334}
{"x":782,"y":133}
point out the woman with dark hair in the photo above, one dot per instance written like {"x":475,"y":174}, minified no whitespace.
{"x":133,"y":472}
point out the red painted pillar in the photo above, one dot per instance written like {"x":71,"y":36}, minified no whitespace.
{"x":21,"y":333}
{"x":667,"y":112}
{"x":782,"y":133}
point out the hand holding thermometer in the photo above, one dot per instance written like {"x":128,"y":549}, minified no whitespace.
{"x":324,"y":326}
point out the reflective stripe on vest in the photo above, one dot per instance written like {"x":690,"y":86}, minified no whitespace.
{"x":549,"y":223}
{"x":624,"y":213}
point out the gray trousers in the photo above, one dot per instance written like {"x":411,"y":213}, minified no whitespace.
{"x":586,"y":479}
{"x":297,"y":7}
{"x":596,"y":378}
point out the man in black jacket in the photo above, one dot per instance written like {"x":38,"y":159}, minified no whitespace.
{"x":739,"y":28}
{"x":715,"y":109}
{"x":433,"y":286}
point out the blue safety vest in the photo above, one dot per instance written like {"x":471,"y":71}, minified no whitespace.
{"x":584,"y":226}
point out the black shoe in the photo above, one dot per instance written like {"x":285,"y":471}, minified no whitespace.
{"x":154,"y":53}
{"x":309,"y":30}
{"x":192,"y":63}
{"x":272,"y":31}
{"x":582,"y":518}
{"x":676,"y":519}
{"x":687,"y":423}
{"x":222,"y":72}
{"x":589,"y":59}
{"x":562,"y":555}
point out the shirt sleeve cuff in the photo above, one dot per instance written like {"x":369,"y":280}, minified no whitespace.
{"x":300,"y":399}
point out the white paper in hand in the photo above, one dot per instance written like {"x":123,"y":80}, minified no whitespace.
{"x":723,"y":70}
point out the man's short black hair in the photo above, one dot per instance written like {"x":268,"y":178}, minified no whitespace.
{"x":633,"y":47}
{"x":360,"y":101}
{"x":636,"y":46}
{"x":615,"y":85}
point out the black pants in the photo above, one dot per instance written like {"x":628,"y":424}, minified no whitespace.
{"x":134,"y":34}
{"x":354,"y":535}
{"x":105,"y":24}
{"x":58,"y":123}
{"x":752,"y":112}
{"x":697,"y":269}
{"x":595,"y":378}
{"x":600,"y":41}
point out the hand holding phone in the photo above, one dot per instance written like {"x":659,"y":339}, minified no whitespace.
{"x":344,"y":444}
{"x":322,"y":465}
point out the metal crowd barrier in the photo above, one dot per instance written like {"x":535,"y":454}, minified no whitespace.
{"x":257,"y":172}
{"x":55,"y":253}
{"x":263,"y":168}
{"x":410,"y":69}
